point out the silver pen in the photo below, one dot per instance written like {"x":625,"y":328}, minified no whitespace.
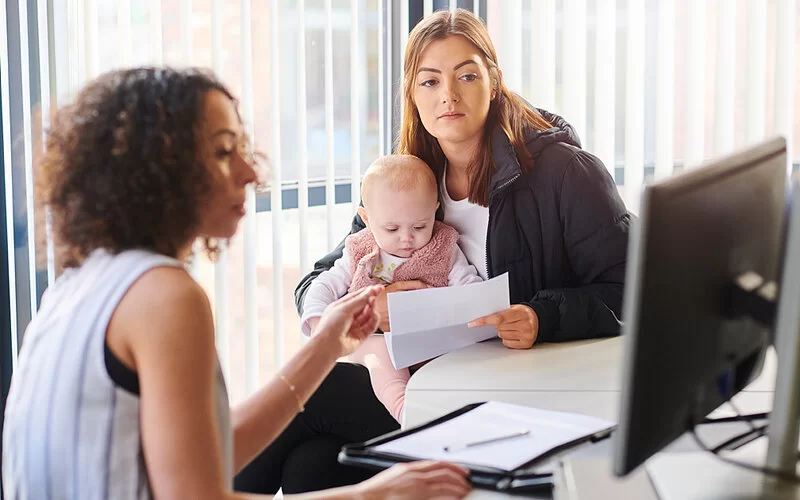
{"x":457,"y":447}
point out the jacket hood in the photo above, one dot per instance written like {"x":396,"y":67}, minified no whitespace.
{"x":507,"y":165}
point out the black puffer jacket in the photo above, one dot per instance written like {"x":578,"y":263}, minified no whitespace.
{"x":559,"y":230}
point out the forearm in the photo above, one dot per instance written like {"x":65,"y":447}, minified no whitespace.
{"x":353,"y":492}
{"x":261,"y":418}
{"x":580,"y":313}
{"x":342,"y":493}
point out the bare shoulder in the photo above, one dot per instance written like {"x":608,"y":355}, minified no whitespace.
{"x":161,"y":307}
{"x":166,"y":287}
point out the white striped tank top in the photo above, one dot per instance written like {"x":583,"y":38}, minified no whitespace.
{"x":70,"y":432}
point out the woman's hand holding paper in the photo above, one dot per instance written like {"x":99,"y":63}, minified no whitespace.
{"x":518,"y":326}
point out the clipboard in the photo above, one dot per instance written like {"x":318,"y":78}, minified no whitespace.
{"x":523,"y":479}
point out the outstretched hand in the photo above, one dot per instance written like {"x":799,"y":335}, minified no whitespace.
{"x":350,"y":319}
{"x":417,"y":480}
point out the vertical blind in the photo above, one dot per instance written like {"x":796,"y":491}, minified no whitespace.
{"x":650,"y":87}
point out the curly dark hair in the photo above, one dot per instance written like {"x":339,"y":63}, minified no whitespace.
{"x":122,"y":168}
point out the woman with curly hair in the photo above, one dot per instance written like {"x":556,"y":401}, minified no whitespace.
{"x":118,"y":391}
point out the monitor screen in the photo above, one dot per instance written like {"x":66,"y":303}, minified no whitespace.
{"x":683,"y":354}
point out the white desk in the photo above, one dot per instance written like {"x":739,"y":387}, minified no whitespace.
{"x":583,"y":377}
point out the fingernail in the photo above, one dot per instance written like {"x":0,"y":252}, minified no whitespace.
{"x":472,"y":324}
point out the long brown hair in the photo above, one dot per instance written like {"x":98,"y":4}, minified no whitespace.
{"x":507,"y":109}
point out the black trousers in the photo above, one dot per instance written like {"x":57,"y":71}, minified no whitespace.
{"x":343,"y":410}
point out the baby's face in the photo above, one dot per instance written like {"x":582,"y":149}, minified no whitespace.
{"x":401,"y":221}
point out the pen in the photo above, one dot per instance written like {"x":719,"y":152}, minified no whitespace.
{"x":457,"y":447}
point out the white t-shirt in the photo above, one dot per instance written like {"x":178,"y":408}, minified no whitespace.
{"x":385,"y":266}
{"x":471,"y":221}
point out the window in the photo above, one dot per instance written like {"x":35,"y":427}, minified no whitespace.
{"x":651,"y":86}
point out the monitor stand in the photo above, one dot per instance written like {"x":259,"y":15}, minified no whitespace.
{"x":700,"y":475}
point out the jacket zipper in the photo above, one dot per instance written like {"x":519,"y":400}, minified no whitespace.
{"x":488,"y":225}
{"x":506,"y":183}
{"x":501,"y":187}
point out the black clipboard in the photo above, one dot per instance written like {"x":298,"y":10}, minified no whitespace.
{"x":520,"y":480}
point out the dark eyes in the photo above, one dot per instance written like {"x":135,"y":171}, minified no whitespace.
{"x":223,"y":153}
{"x":470,"y":77}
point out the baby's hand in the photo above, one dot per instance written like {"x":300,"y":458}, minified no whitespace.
{"x":382,"y":305}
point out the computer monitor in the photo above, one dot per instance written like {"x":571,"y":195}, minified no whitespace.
{"x":685,"y":353}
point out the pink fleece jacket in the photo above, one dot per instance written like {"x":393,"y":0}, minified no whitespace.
{"x":430,"y":264}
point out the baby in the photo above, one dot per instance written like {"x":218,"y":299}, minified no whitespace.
{"x":402,"y":241}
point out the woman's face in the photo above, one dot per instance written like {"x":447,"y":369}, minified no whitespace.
{"x":452,"y":90}
{"x":222,"y":152}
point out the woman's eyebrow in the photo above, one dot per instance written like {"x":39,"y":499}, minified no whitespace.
{"x":434,"y":70}
{"x":464,"y":63}
{"x":224,"y":131}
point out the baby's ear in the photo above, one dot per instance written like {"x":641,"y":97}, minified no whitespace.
{"x":362,"y":212}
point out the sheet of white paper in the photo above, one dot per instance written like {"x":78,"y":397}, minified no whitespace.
{"x":411,"y":348}
{"x":431,"y":322}
{"x":547,"y":430}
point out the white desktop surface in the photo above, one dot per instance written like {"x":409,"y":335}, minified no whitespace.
{"x":592,"y":365}
{"x":564,"y":377}
{"x":583,"y":377}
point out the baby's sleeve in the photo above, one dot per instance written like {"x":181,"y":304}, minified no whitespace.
{"x":461,"y":271}
{"x":328,"y":287}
